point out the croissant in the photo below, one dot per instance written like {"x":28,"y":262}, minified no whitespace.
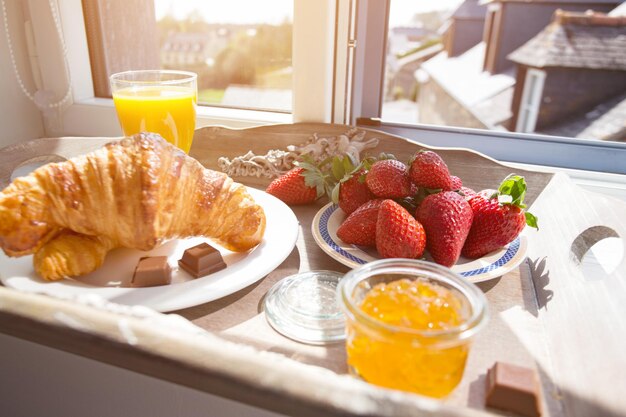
{"x":134,"y":193}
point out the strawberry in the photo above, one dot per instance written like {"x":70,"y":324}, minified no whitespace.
{"x":457,"y":183}
{"x":398,"y":234}
{"x":498,"y":218}
{"x":353,"y":192}
{"x":488,"y":193}
{"x":467,"y":192}
{"x":428,"y":170}
{"x":388,"y":179}
{"x":447,"y":219}
{"x":292,"y":189}
{"x":360,"y":226}
{"x":301,"y":185}
{"x":410,"y":204}
{"x":350,"y":191}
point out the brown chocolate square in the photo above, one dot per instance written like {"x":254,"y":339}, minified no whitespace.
{"x":201,"y":260}
{"x":152,"y":271}
{"x":513,"y":388}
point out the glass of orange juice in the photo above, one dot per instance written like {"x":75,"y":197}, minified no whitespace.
{"x":159,"y":101}
{"x":409,"y":324}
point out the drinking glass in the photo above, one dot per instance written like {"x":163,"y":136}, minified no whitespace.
{"x":409,"y":324}
{"x":159,"y":101}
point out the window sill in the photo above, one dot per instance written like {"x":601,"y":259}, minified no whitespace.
{"x":96,"y":117}
{"x":532,"y":149}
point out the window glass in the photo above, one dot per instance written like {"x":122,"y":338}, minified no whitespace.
{"x":240,"y":49}
{"x":553,"y":68}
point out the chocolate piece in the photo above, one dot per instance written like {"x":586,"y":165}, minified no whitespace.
{"x":513,"y":388}
{"x":152,"y":271}
{"x":201,"y":260}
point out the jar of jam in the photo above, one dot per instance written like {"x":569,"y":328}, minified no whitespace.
{"x":409,"y":324}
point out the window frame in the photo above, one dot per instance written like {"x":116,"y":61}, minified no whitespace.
{"x":370,"y":38}
{"x":522,"y":148}
{"x":88,"y":115}
{"x":322,"y":90}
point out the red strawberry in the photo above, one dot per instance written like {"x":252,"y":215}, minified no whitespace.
{"x":291,"y":188}
{"x":457,"y":183}
{"x":360,"y":226}
{"x":398,"y":234}
{"x":388,"y":179}
{"x":467,"y":192}
{"x":302,"y":185}
{"x":353,"y":192}
{"x":428,"y":170}
{"x":447,"y":219}
{"x":488,"y":193}
{"x":499,"y":219}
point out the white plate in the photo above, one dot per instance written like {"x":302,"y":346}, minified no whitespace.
{"x":243,"y":268}
{"x":497,"y":263}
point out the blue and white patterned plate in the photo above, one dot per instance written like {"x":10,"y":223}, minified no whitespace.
{"x":493,"y":265}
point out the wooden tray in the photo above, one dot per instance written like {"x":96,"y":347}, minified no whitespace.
{"x":547,"y":313}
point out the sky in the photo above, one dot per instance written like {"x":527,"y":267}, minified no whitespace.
{"x":229,"y":11}
{"x":276,"y":11}
{"x":401,"y":11}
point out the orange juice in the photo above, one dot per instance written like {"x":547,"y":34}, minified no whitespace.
{"x":167,"y":110}
{"x":404,"y":360}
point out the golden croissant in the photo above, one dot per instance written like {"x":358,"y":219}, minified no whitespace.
{"x":134,"y":193}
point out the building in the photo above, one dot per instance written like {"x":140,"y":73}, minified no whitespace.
{"x":572,"y":74}
{"x":511,"y":23}
{"x":464,"y":28}
{"x":476,"y":88}
{"x":192,"y":49}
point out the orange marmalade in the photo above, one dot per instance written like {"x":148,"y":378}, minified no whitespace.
{"x":405,"y":346}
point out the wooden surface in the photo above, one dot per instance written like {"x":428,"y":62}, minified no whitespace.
{"x":546,"y":314}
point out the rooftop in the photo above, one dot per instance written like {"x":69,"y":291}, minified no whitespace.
{"x":470,"y":9}
{"x":553,"y":1}
{"x":606,"y":121}
{"x":577,"y":40}
{"x":487,"y":95}
{"x":464,"y":78}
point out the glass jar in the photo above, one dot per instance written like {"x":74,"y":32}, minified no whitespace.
{"x":409,"y":324}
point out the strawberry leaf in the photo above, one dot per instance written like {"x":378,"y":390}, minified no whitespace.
{"x":308,"y":159}
{"x":409,"y":203}
{"x":311,"y":179}
{"x":334,"y":195}
{"x":515,"y":187}
{"x":314,"y":178}
{"x":422,"y":193}
{"x":348,"y":164}
{"x":308,"y":167}
{"x":329,"y":188}
{"x":430,"y":191}
{"x":349,"y":174}
{"x":532,"y":220}
{"x":368,"y":162}
{"x":322,"y":165}
{"x":337,"y":168}
{"x":382,"y":156}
